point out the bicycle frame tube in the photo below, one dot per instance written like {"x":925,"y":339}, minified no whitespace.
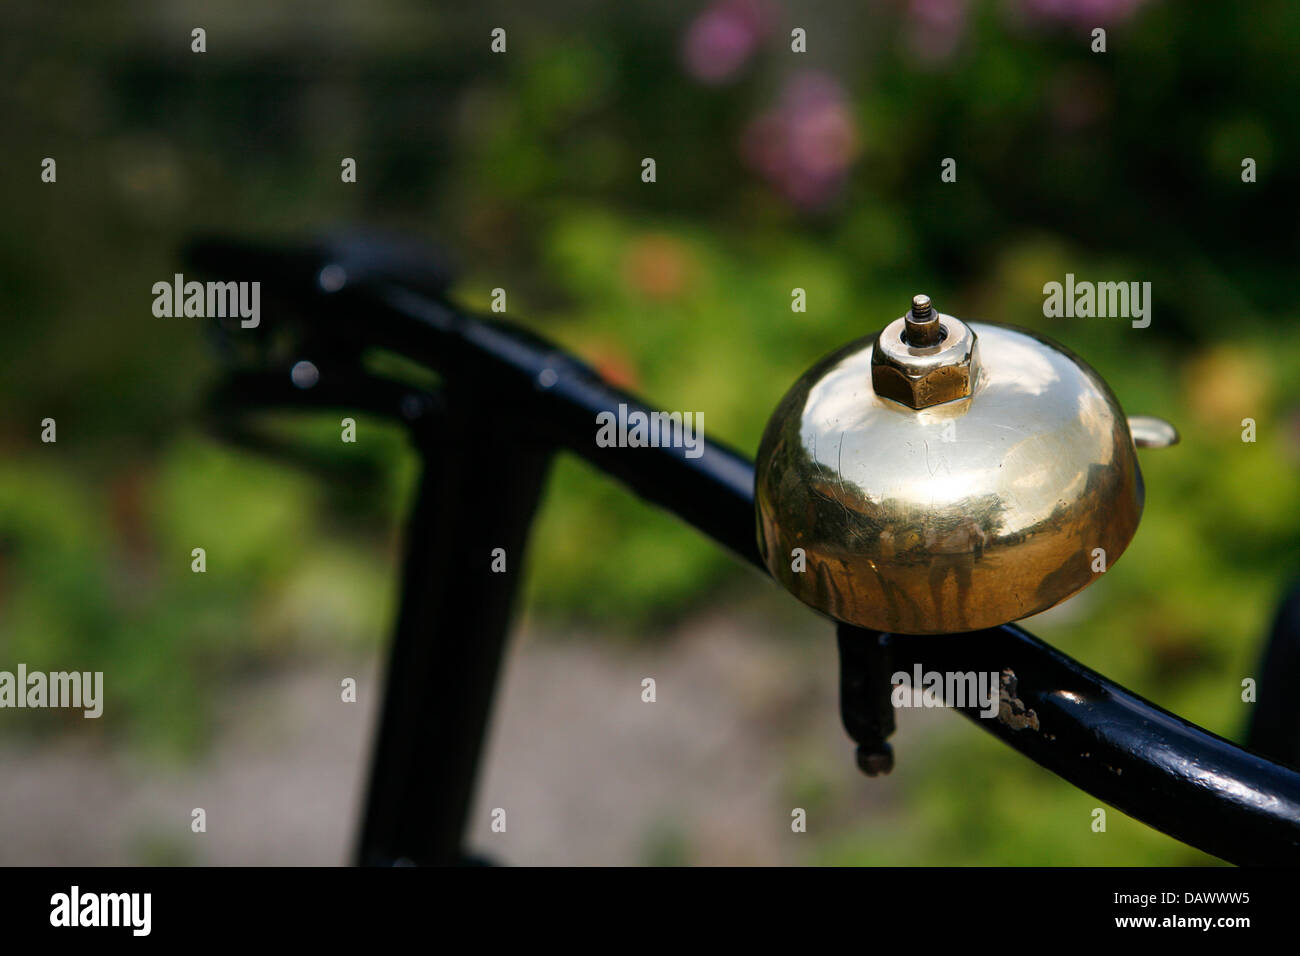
{"x":1151,"y":764}
{"x":450,"y":631}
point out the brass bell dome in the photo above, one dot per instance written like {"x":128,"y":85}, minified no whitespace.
{"x":944,"y":476}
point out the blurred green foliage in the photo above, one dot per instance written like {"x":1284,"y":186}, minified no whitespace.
{"x":1123,"y":165}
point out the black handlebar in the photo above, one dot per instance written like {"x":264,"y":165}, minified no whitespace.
{"x":1151,"y":764}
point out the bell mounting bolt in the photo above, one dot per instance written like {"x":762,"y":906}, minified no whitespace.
{"x":921,"y":325}
{"x":925,"y":358}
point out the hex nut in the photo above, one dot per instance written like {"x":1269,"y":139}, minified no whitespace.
{"x":921,"y":377}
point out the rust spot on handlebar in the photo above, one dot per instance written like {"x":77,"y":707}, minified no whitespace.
{"x":1012,"y":711}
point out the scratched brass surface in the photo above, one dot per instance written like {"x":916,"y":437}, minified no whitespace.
{"x":955,"y":517}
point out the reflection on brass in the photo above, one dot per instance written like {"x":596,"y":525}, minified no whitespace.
{"x":960,"y":509}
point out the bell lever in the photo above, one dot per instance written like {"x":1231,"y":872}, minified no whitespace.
{"x":1151,"y":432}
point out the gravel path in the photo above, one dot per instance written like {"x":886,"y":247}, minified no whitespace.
{"x":744,"y":728}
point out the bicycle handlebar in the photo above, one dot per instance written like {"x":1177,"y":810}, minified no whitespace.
{"x":1149,"y":763}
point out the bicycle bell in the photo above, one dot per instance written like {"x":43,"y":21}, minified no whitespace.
{"x":947,"y":476}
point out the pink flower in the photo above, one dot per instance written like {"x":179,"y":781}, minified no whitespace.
{"x":935,"y":27}
{"x":806,"y":144}
{"x":723,"y":37}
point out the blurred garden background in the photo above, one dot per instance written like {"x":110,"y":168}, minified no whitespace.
{"x":775,"y":170}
